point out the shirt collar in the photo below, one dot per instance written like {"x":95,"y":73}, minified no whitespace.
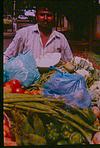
{"x":36,"y":29}
{"x":53,"y":34}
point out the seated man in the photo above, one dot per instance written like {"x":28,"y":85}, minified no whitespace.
{"x":40,"y":38}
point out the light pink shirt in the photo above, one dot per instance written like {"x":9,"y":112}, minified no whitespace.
{"x":28,"y":38}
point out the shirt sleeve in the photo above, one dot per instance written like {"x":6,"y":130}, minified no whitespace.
{"x":66,"y":50}
{"x":15,"y":47}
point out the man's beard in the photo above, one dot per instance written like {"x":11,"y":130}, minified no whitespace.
{"x":46,"y":25}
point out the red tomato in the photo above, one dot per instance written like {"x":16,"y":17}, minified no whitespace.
{"x":6,"y":84}
{"x":35,"y":92}
{"x":13,"y":84}
{"x":27,"y":92}
{"x":96,"y":111}
{"x":7,"y":89}
{"x":19,"y":90}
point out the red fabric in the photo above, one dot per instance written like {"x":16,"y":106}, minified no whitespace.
{"x":7,"y":133}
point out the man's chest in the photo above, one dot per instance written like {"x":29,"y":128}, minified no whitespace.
{"x":36,"y":42}
{"x":44,"y":40}
{"x":42,"y":46}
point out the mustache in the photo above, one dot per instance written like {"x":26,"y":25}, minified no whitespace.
{"x":45,"y":21}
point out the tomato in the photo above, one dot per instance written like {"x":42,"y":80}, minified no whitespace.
{"x":13,"y":84}
{"x":7,"y":84}
{"x":7,"y":89}
{"x":96,"y":111}
{"x":19,"y":90}
{"x":27,"y":92}
{"x":35,"y":92}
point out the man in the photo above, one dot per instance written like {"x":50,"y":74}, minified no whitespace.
{"x":40,"y":38}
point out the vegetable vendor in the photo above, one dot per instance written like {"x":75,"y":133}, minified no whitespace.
{"x":40,"y":38}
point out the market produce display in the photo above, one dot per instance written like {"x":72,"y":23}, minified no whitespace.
{"x":39,"y":120}
{"x":53,"y":114}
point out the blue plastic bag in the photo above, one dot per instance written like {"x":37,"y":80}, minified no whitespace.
{"x":23,"y":68}
{"x":72,"y":87}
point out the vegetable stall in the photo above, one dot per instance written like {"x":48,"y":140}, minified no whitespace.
{"x":31,"y":117}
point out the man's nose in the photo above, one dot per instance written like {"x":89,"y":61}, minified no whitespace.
{"x":45,"y":16}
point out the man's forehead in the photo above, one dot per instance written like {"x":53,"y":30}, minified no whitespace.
{"x":44,"y":9}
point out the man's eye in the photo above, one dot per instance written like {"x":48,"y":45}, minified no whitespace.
{"x":41,"y":14}
{"x":49,"y":15}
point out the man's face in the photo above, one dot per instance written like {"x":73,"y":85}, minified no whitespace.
{"x":45,"y":18}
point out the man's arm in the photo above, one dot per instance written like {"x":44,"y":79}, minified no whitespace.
{"x":14,"y":48}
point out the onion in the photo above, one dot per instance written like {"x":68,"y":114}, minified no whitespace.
{"x":96,"y":138}
{"x":96,"y":111}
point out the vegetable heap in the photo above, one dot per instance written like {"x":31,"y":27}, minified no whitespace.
{"x":37,"y":120}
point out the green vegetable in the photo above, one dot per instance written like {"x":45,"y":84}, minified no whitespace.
{"x":62,"y":142}
{"x":75,"y":118}
{"x":75,"y":138}
{"x":46,"y":120}
{"x":79,"y":128}
{"x":38,"y":125}
{"x":25,"y":134}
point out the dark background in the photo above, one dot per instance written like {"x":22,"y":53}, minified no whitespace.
{"x":78,"y":12}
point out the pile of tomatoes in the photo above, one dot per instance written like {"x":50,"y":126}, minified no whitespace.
{"x":14,"y":86}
